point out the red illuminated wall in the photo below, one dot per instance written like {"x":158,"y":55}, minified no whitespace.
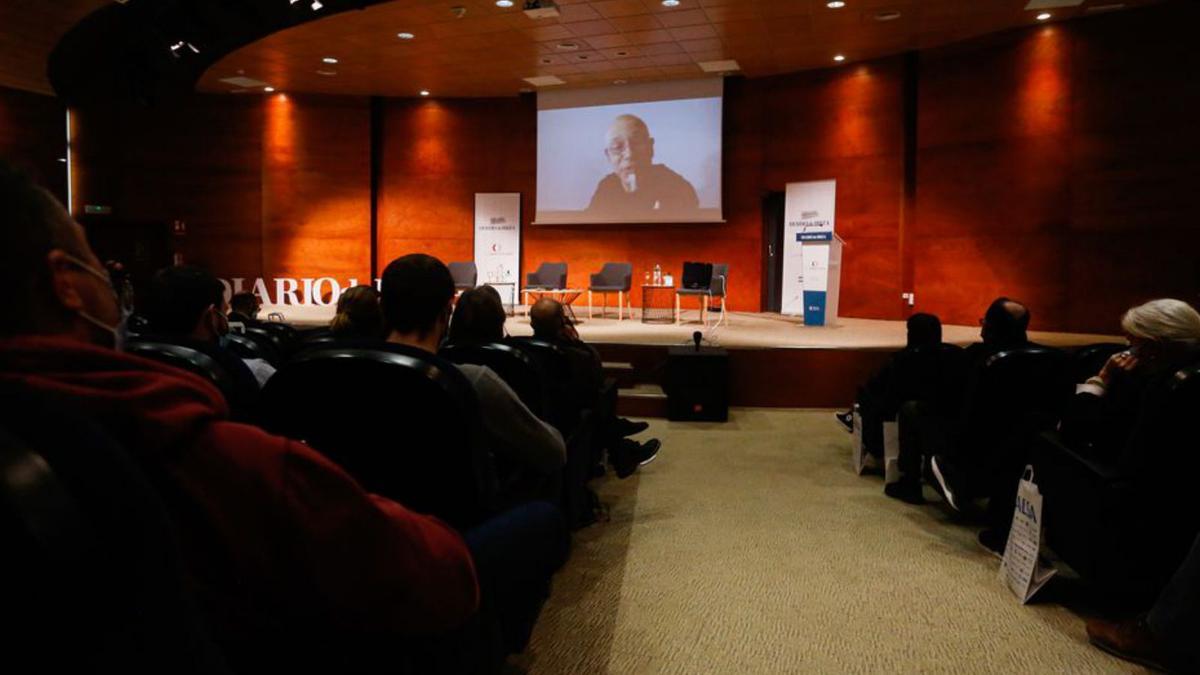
{"x":1055,"y":164}
{"x":33,"y":137}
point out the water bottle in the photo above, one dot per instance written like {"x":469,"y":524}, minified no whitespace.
{"x":657,"y":275}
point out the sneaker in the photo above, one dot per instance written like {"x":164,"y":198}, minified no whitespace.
{"x":907,"y":491}
{"x":647,"y":452}
{"x":940,"y":482}
{"x":994,"y":541}
{"x":624,"y":428}
{"x":624,"y":457}
{"x":846,"y":419}
{"x":1130,"y":640}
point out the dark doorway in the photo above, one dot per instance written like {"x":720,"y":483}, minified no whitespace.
{"x":772,"y":251}
{"x":142,"y":247}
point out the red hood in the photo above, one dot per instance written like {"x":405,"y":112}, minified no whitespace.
{"x":158,"y":405}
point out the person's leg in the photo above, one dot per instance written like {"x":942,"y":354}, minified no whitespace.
{"x":872,"y":422}
{"x":1175,"y":618}
{"x":515,"y":555}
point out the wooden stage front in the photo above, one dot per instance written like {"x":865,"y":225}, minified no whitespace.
{"x":774,"y":360}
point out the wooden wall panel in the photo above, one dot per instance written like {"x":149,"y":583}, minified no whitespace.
{"x":33,"y":137}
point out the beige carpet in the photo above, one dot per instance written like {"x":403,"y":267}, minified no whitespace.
{"x":751,"y":547}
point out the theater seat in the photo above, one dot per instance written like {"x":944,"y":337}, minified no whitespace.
{"x":518,"y":369}
{"x":1126,"y":524}
{"x":92,"y":575}
{"x":562,"y":410}
{"x":1089,"y":359}
{"x":403,"y":422}
{"x":253,"y":347}
{"x":224,"y":369}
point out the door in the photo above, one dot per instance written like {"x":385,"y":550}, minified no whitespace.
{"x":772,"y":251}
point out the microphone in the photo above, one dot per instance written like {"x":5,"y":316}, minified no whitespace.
{"x":697,"y":337}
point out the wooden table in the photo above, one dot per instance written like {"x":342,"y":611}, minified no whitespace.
{"x":564,"y":295}
{"x":658,"y":304}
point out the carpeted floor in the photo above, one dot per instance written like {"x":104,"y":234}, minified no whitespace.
{"x":751,"y":547}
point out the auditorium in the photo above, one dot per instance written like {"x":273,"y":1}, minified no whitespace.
{"x":599,"y":336}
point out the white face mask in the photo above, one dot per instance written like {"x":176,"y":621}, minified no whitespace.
{"x":120,"y":331}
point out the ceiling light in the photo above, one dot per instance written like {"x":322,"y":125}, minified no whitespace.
{"x":268,"y":89}
{"x":424,"y":92}
{"x":619,"y":81}
{"x":405,"y":36}
{"x":504,"y":3}
{"x":887,"y":15}
{"x":670,"y":3}
{"x":329,"y":59}
{"x":327,"y":73}
{"x":316,"y":5}
{"x":835,"y":4}
{"x":1043,"y":16}
{"x":839,"y":58}
{"x":566,"y":46}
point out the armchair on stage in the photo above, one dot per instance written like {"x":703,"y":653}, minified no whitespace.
{"x":612,"y":278}
{"x":705,"y":281}
{"x":548,"y":277}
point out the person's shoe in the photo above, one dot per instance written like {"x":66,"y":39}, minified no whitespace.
{"x":647,"y":452}
{"x":846,"y":419}
{"x":994,"y":541}
{"x":943,"y":486}
{"x":1130,"y":640}
{"x":907,"y":491}
{"x":623,"y":455}
{"x":625,"y":428}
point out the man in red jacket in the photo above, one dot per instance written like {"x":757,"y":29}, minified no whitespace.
{"x":288,"y":550}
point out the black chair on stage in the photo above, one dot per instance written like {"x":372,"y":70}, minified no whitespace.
{"x":465,"y":274}
{"x":1125,"y":523}
{"x":549,"y":276}
{"x":1089,"y":359}
{"x":222,"y":368}
{"x":612,"y":278}
{"x":705,"y":281}
{"x":518,"y":369}
{"x":92,"y":574}
{"x":405,"y":423}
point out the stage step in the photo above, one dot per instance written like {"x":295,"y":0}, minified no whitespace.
{"x":642,"y":400}
{"x":622,"y":372}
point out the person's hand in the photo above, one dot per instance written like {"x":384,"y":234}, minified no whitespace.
{"x":1117,"y":365}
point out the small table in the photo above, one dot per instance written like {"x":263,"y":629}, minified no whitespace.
{"x":658,"y":304}
{"x":565,"y":296}
{"x":510,"y":306}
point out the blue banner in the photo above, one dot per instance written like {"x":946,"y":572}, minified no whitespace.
{"x":814,"y":236}
{"x":814,"y":308}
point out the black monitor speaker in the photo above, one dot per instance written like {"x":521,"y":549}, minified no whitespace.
{"x":697,"y":384}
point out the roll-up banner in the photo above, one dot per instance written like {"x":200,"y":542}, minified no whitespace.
{"x":498,"y":241}
{"x":808,"y":238}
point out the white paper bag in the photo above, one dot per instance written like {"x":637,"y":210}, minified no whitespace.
{"x":1022,"y":569}
{"x":859,"y":455}
{"x":891,"y":452}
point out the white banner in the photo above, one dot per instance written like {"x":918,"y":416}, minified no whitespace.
{"x":498,"y":239}
{"x":808,"y":217}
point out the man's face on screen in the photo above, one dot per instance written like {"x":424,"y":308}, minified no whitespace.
{"x":629,"y":147}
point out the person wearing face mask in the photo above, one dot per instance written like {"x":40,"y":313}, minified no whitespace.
{"x":298,"y":567}
{"x":186,"y":305}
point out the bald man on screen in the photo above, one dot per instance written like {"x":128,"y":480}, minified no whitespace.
{"x":638,"y":187}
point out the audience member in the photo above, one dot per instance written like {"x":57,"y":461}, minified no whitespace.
{"x":479,"y":317}
{"x":187,"y":304}
{"x":417,"y":297}
{"x":1164,"y":637}
{"x":551,"y":323}
{"x":931,"y":428}
{"x":288,"y":552}
{"x":244,"y":307}
{"x":359,"y":315}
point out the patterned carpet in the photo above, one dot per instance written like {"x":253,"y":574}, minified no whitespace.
{"x":751,"y":547}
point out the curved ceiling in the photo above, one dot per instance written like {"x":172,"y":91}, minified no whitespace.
{"x":29,"y":30}
{"x":489,"y":50}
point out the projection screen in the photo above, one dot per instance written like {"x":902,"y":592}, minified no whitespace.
{"x":644,"y":153}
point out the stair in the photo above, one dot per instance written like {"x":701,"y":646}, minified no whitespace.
{"x":642,"y":400}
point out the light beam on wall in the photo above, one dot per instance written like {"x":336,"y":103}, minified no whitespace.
{"x":70,"y":182}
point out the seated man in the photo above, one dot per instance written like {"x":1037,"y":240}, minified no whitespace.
{"x":930,"y":428}
{"x":282,"y":544}
{"x":244,"y":307}
{"x":187,"y":304}
{"x":551,"y":323}
{"x":918,"y":372}
{"x":418,"y":299}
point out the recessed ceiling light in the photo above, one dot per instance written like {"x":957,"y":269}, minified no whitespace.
{"x":839,"y":58}
{"x":887,"y":15}
{"x":835,"y":4}
{"x":504,"y":3}
{"x":405,"y":36}
{"x":670,"y":3}
{"x":622,"y":53}
{"x":327,"y":73}
{"x":268,"y":89}
{"x":424,"y":92}
{"x":566,"y":46}
{"x":619,"y":82}
{"x":329,"y":59}
{"x":1044,"y":16}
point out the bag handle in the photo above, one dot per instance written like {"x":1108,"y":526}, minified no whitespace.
{"x":1027,"y":474}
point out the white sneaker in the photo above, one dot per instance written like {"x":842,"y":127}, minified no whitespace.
{"x":942,"y":484}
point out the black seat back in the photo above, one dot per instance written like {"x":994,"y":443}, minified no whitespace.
{"x":286,"y":337}
{"x":253,"y":347}
{"x":92,"y":573}
{"x":518,"y":369}
{"x":1089,"y":359}
{"x":224,"y":369}
{"x":403,"y":422}
{"x":928,"y":374}
{"x":1018,"y":390}
{"x":697,"y":275}
{"x":562,"y":408}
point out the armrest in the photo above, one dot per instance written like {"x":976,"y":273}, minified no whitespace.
{"x":596,"y":280}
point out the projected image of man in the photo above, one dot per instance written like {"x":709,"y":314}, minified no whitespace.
{"x":637,"y":186}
